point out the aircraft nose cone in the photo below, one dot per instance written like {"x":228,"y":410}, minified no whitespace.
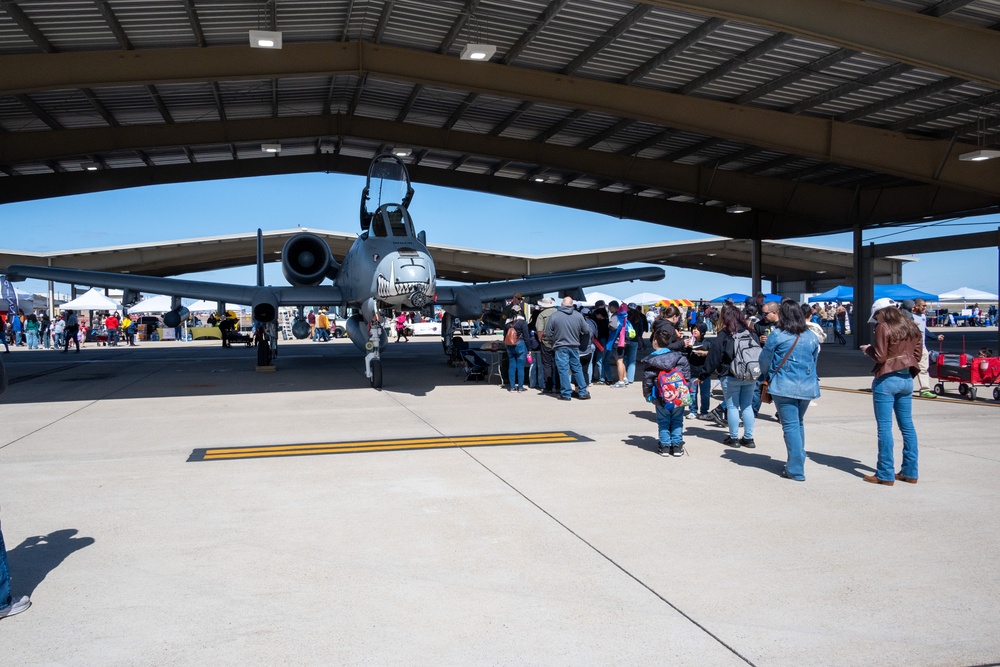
{"x":411,"y":273}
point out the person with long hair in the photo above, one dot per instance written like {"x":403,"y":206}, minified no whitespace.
{"x":737,"y":392}
{"x":788,"y":364}
{"x":897,"y":349}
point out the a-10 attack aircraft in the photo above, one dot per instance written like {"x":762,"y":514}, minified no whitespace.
{"x":388,"y":267}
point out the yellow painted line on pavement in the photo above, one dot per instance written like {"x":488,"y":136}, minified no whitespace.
{"x":228,"y":453}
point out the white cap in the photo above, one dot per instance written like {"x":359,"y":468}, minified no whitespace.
{"x":879,"y":304}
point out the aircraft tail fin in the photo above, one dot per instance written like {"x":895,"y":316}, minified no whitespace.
{"x":260,"y":258}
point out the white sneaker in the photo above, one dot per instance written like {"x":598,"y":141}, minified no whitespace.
{"x":619,"y":384}
{"x":16,"y":607}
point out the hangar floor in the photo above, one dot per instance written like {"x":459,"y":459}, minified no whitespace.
{"x":593,"y":551}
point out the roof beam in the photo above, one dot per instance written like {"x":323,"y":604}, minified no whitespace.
{"x":916,"y":39}
{"x":875,"y":149}
{"x":837,"y":205}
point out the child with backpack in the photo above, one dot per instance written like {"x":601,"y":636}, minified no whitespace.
{"x":666,"y":384}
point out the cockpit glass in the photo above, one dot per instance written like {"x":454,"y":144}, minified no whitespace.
{"x":388,"y":183}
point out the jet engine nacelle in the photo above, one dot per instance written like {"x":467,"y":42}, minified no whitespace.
{"x":300,"y":328}
{"x":265,"y":308}
{"x":174,"y":317}
{"x":306,"y":260}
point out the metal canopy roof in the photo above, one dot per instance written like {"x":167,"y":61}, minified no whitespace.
{"x":817,"y":114}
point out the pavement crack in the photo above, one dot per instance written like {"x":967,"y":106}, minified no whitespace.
{"x":611,"y":560}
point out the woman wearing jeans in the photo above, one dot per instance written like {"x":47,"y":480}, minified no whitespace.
{"x":789,"y":364}
{"x":896,"y":351}
{"x":738,"y":393}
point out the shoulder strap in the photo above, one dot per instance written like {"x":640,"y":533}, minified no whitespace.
{"x":787,"y":354}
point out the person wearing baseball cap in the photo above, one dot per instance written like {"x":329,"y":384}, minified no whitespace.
{"x":896,"y":351}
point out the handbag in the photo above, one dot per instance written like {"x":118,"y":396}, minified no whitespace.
{"x":765,"y":395}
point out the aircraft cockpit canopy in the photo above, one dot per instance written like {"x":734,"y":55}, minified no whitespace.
{"x":388,"y":184}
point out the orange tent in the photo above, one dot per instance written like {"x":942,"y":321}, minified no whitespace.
{"x":663,"y":303}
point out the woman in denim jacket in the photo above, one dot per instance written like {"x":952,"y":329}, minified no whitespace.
{"x":789,"y":359}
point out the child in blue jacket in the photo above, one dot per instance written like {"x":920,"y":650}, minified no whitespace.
{"x":669,"y":413}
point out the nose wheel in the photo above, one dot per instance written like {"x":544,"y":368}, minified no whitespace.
{"x":376,"y":376}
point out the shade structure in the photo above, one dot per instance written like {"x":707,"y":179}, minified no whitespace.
{"x":204,"y":306}
{"x":680,"y":303}
{"x":965,"y":294}
{"x":91,"y":300}
{"x":152,"y":304}
{"x":736,"y":297}
{"x":739,"y":297}
{"x":902,"y":291}
{"x":897,"y":292}
{"x":645,"y":298}
{"x":838,"y":293}
{"x":595,"y":296}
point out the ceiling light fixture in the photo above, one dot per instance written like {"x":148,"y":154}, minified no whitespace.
{"x":540,"y":179}
{"x":979,"y":155}
{"x":271,"y":148}
{"x":402,"y":152}
{"x":738,"y":208}
{"x":265,"y":39}
{"x":480,"y":52}
{"x":90,"y":166}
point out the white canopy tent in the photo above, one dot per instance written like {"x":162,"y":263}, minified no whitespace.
{"x":92,"y":299}
{"x":203,"y":306}
{"x":594,"y":297}
{"x":645,"y":298}
{"x":965,"y":295}
{"x":154,"y":304}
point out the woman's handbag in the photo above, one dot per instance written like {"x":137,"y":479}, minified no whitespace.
{"x":765,"y":396}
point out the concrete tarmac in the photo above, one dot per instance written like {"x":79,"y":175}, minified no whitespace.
{"x":596,"y":551}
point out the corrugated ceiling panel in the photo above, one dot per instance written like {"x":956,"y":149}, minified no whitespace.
{"x":153,"y":23}
{"x":71,"y":25}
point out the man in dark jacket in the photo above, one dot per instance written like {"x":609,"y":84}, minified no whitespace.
{"x":566,"y":328}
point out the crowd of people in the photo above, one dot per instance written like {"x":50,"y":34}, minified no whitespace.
{"x":42,"y":332}
{"x":760,"y":352}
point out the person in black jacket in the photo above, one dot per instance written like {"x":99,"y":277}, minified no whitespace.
{"x":696,"y":351}
{"x":638,"y":321}
{"x":738,"y":392}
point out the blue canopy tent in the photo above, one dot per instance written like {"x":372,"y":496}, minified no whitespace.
{"x":896,"y":292}
{"x":902,"y":291}
{"x":838,"y":293}
{"x":737,"y":297}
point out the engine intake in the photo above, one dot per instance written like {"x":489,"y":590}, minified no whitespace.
{"x":306,"y":260}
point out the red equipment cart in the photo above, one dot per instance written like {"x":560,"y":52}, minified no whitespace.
{"x":967,"y":370}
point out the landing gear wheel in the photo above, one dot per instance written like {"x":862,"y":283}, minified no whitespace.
{"x":939,"y":389}
{"x":972,"y":394}
{"x":376,"y":374}
{"x":996,"y":393}
{"x":963,"y":389}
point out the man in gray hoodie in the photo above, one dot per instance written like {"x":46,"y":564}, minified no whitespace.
{"x":566,"y":329}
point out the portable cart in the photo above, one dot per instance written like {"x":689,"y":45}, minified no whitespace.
{"x":970,"y":372}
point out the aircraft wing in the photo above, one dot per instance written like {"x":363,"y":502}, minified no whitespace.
{"x":465,"y":301}
{"x":225,"y":292}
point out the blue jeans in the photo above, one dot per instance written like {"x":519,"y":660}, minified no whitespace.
{"x":893,"y":393}
{"x":631,"y":350}
{"x":704,"y":390}
{"x":670,"y":422}
{"x":568,"y":362}
{"x":516,"y":355}
{"x":4,"y":575}
{"x":792,"y":411}
{"x":739,"y":401}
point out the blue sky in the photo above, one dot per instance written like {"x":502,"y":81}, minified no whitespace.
{"x":451,"y":217}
